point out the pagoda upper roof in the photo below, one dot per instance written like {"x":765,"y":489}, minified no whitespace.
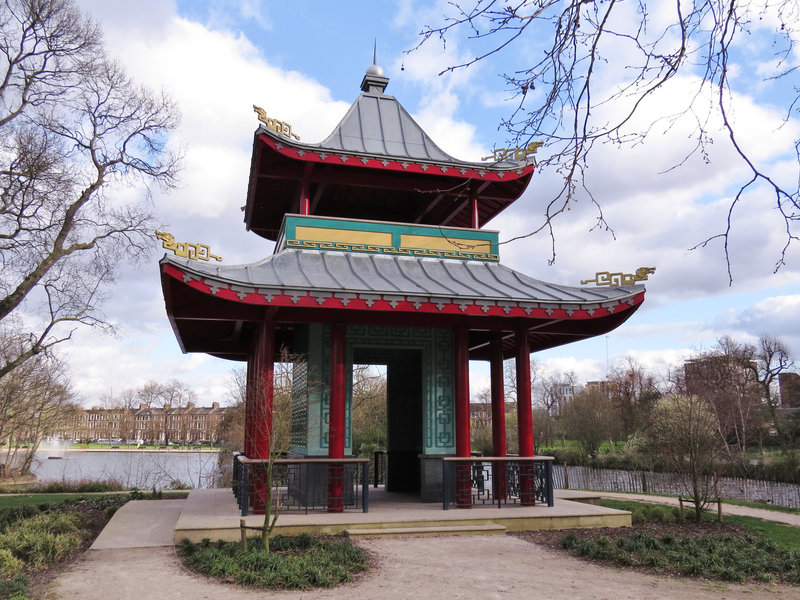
{"x":378,"y":163}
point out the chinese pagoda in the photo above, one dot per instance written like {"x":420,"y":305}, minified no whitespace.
{"x":380,"y":258}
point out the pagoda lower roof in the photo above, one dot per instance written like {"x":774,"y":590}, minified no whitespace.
{"x":213,"y":307}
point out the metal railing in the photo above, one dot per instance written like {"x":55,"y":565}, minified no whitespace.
{"x":494,"y":480}
{"x":301,"y":484}
{"x":380,"y":467}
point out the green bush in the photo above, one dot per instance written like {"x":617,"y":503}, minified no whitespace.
{"x":736,"y":558}
{"x":10,"y":565}
{"x":43,"y":539}
{"x":295,"y":562}
{"x":15,"y":588}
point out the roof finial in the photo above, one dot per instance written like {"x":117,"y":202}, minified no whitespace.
{"x":374,"y":81}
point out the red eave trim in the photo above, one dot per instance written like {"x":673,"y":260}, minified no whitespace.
{"x":404,"y":166}
{"x":314,"y":299}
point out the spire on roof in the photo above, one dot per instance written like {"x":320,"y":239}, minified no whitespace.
{"x":374,"y":81}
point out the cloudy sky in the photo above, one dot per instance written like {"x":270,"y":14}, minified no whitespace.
{"x":303,"y":61}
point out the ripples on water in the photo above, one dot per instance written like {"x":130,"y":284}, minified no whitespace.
{"x":140,"y":469}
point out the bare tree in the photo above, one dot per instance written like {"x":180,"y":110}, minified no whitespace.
{"x":772,"y":359}
{"x":683,"y":433}
{"x":73,"y":129}
{"x":368,"y":410}
{"x":35,"y":402}
{"x":725,"y":378}
{"x":633,"y":392}
{"x":554,"y":390}
{"x":571,"y":51}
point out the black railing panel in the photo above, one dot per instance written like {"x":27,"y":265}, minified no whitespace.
{"x":499,"y":481}
{"x":301,"y":484}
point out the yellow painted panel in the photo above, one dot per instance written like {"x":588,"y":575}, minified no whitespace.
{"x":444,"y":243}
{"x":323,"y":234}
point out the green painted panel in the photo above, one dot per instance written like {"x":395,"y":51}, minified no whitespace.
{"x":437,"y":364}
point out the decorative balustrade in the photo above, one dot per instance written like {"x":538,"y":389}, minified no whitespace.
{"x":301,"y":484}
{"x":493,"y":480}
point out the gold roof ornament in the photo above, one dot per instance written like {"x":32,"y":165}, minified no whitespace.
{"x":186,"y":250}
{"x":281,"y":127}
{"x":517,"y":154}
{"x":607,"y":278}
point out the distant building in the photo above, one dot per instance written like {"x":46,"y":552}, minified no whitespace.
{"x":480,"y":413}
{"x":605,"y":387}
{"x":155,"y":425}
{"x":717,"y":372}
{"x":789,"y":386}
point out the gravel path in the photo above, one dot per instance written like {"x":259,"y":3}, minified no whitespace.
{"x":480,"y":567}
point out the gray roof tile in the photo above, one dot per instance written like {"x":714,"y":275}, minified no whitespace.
{"x":337,"y":272}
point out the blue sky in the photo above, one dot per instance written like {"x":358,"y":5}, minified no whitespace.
{"x":303,"y":62}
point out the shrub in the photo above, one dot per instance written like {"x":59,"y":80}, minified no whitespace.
{"x":296,"y":562}
{"x":10,"y":566}
{"x":43,"y":539}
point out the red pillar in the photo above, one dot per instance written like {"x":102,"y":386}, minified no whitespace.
{"x":524,"y":416}
{"x":261,"y":409}
{"x":248,"y":405}
{"x":498,"y":416}
{"x":305,"y":200}
{"x":476,"y":220}
{"x":463,"y":438}
{"x":265,"y":369}
{"x":336,"y":421}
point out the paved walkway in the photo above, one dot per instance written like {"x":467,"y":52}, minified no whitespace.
{"x":134,"y":559}
{"x":727,"y":509}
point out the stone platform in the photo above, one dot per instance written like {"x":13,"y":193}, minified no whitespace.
{"x":214,"y":514}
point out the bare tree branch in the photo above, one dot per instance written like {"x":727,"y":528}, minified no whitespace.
{"x":562,"y":99}
{"x":73,"y":129}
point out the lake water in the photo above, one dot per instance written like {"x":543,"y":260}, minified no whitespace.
{"x":140,"y":469}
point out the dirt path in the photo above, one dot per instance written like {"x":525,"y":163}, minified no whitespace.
{"x":484,"y":567}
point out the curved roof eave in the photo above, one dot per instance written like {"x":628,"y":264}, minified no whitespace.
{"x":306,"y":152}
{"x":342,"y":279}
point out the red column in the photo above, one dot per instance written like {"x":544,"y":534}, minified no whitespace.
{"x":463,"y":441}
{"x":476,"y":221}
{"x":336,"y":421}
{"x":498,"y":416}
{"x":261,"y":409}
{"x":524,"y":416}
{"x":248,"y":406}
{"x":305,"y":200}
{"x":265,"y":368}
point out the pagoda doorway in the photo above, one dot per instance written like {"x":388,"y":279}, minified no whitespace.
{"x":404,"y":413}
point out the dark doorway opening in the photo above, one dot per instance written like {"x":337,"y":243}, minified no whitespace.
{"x":404,"y":411}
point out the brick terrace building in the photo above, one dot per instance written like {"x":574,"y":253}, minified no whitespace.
{"x":185,"y":424}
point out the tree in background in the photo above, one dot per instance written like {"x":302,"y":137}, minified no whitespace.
{"x":633,"y":392}
{"x":772,"y":359}
{"x":368,"y":410}
{"x":74,"y":129}
{"x":683,"y":432}
{"x":552,"y":391}
{"x":590,"y":419}
{"x":725,"y":379}
{"x":586,"y":74}
{"x":35,"y":402}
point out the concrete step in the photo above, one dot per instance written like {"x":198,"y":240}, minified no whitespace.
{"x":477,"y":529}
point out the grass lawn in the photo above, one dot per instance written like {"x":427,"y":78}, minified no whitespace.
{"x":15,"y":500}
